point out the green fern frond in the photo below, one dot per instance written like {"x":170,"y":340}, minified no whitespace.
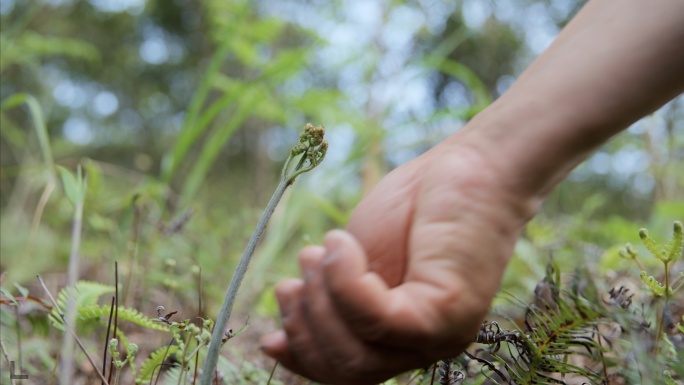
{"x":154,"y":362}
{"x":669,"y":252}
{"x":87,"y":310}
{"x":667,"y":376}
{"x":651,"y":245}
{"x":174,"y":376}
{"x":567,"y":328}
{"x":676,"y":243}
{"x":124,"y":313}
{"x":656,"y":287}
{"x":85,"y":293}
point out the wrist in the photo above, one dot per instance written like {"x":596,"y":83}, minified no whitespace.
{"x":532,"y":148}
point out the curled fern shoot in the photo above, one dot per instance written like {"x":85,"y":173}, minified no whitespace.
{"x":308,"y":154}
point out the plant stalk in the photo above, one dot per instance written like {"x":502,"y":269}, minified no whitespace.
{"x":238,"y":275}
{"x":312,"y":149}
{"x":67,"y":368}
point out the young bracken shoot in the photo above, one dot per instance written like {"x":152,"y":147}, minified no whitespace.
{"x":310,"y":151}
{"x":575,"y":334}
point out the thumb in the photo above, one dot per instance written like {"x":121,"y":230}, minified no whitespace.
{"x":359,"y":295}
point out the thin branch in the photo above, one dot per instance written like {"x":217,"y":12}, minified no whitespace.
{"x":272,"y":371}
{"x":4,"y":353}
{"x":199,"y":317}
{"x":116,"y":313}
{"x":78,"y":341}
{"x":161,"y":365}
{"x":106,"y":345}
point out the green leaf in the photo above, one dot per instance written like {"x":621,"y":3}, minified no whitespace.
{"x":153,"y":363}
{"x":101,"y":223}
{"x":90,"y":312}
{"x":7,"y":294}
{"x":191,"y":131}
{"x":36,"y":113}
{"x":70,"y":184}
{"x":24,"y":291}
{"x":656,"y":287}
{"x":675,"y":245}
{"x":652,"y":245}
{"x":668,"y":378}
{"x":215,"y":142}
{"x":85,"y":293}
{"x":30,"y":46}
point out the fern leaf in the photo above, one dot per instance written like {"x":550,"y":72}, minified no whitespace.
{"x":675,"y":245}
{"x":85,"y":293}
{"x":154,"y":362}
{"x":650,"y":244}
{"x":656,"y":287}
{"x":124,"y":313}
{"x":554,"y":335}
{"x":136,"y":317}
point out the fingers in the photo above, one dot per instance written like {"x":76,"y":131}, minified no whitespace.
{"x":343,"y":350}
{"x":318,"y":343}
{"x":359,"y":294}
{"x":399,"y":317}
{"x":276,"y":344}
{"x":294,"y":347}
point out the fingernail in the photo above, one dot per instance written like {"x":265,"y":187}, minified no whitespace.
{"x":332,"y":247}
{"x":272,"y":340}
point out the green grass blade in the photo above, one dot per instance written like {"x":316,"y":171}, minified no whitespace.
{"x":190,"y":131}
{"x":214,"y":144}
{"x":38,"y":123}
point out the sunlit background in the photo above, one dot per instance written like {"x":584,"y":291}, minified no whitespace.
{"x":185,"y":110}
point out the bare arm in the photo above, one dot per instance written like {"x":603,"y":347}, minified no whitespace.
{"x":616,"y":61}
{"x":413,"y":276}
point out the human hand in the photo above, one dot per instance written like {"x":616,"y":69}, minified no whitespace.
{"x":411,"y":279}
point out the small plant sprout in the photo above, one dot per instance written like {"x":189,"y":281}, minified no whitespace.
{"x":310,"y":152}
{"x":131,"y":350}
{"x":628,"y":252}
{"x":667,"y":254}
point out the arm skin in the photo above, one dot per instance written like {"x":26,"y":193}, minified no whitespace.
{"x":412,"y":277}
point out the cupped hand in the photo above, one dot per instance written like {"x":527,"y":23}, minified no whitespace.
{"x":412,"y":277}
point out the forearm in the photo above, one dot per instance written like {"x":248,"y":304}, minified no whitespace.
{"x":617,"y":61}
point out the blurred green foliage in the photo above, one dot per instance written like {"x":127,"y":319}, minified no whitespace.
{"x":181,"y":112}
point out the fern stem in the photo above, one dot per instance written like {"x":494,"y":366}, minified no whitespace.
{"x":238,"y":275}
{"x":67,"y":367}
{"x":117,"y":375}
{"x":109,"y":329}
{"x":666,"y":306}
{"x":78,"y":341}
{"x":116,"y":312}
{"x":312,"y":149}
{"x":201,"y":320}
